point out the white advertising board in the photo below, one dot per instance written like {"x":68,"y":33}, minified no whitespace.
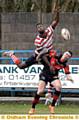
{"x":12,"y":76}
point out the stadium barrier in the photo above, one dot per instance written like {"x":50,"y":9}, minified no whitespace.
{"x":14,"y":90}
{"x":25,"y":52}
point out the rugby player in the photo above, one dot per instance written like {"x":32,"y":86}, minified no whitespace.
{"x":57,"y":63}
{"x":43,"y":43}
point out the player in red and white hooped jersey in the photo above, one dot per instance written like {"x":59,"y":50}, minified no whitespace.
{"x":45,"y":40}
{"x":43,"y":43}
{"x":45,"y":37}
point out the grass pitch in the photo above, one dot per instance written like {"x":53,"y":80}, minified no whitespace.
{"x":23,"y":108}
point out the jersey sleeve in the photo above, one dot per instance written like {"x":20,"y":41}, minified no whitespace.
{"x":66,"y":69}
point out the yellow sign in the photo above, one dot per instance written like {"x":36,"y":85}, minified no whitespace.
{"x":40,"y":117}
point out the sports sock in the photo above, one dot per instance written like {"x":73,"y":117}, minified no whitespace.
{"x":15,"y":59}
{"x":55,"y":97}
{"x":35,"y":101}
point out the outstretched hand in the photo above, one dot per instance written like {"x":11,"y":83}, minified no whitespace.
{"x":70,"y":78}
{"x":57,"y":9}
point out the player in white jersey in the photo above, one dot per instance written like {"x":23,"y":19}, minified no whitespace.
{"x":44,"y":40}
{"x":43,"y":43}
{"x":45,"y":37}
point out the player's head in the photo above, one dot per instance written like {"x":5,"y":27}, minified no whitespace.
{"x":66,"y":55}
{"x":40,"y":28}
{"x":52,"y":53}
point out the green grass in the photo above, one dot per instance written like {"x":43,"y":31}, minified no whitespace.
{"x":23,"y":108}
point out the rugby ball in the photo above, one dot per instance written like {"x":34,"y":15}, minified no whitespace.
{"x":65,"y":34}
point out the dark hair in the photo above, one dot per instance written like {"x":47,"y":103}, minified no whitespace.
{"x":39,"y":24}
{"x":70,"y":52}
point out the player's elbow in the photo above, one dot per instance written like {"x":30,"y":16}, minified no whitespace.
{"x":55,"y":23}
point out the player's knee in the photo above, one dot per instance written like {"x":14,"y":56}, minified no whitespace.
{"x":39,"y":92}
{"x":58,"y":87}
{"x":41,"y":87}
{"x":20,"y":66}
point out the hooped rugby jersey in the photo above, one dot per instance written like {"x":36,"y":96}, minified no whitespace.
{"x":47,"y":42}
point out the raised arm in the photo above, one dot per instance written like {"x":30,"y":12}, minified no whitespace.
{"x":56,"y":18}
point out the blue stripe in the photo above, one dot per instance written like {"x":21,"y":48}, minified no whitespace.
{"x":26,"y":51}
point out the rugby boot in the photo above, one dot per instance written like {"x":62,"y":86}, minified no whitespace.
{"x":8,"y":53}
{"x":52,"y":109}
{"x":32,"y":111}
